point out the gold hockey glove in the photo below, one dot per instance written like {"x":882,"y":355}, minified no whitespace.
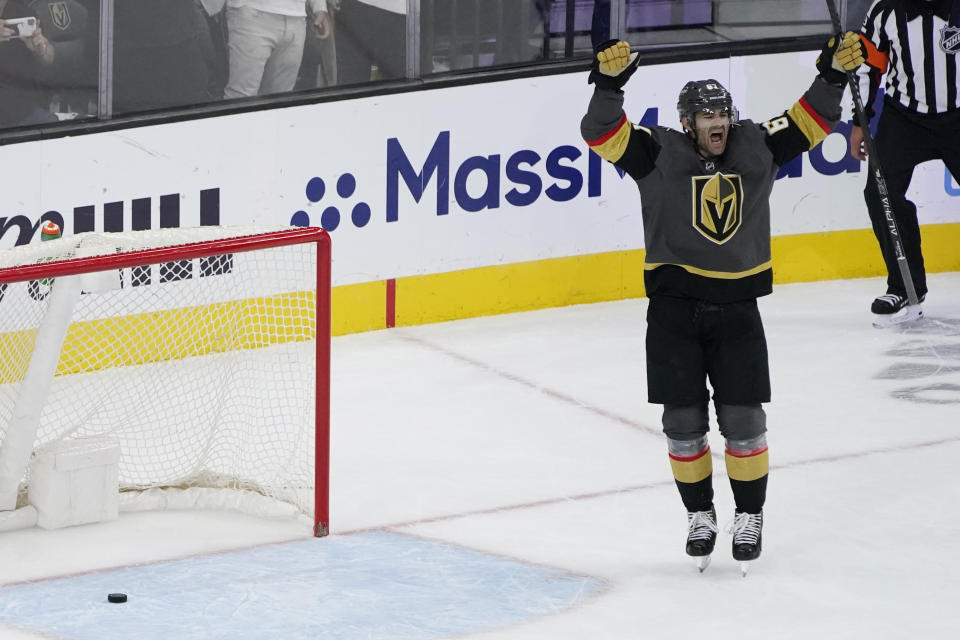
{"x":842,"y":53}
{"x":613,"y":65}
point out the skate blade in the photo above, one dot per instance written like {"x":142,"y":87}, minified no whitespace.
{"x":910,"y":313}
{"x":744,"y":569}
{"x":702,"y":563}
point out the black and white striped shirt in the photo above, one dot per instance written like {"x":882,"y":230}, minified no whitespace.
{"x":921,"y":40}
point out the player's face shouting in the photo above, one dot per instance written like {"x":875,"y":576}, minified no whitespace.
{"x":712,"y":131}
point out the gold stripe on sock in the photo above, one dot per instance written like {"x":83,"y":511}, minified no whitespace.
{"x":692,"y":469}
{"x":747,"y":465}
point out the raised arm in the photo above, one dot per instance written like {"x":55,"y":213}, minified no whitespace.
{"x":816,"y":113}
{"x":605,"y":127}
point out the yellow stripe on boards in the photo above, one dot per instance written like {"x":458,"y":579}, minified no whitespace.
{"x":519,"y":287}
{"x":556,"y":282}
{"x":176,"y":334}
{"x":749,"y":468}
{"x":692,"y":470}
{"x":582,"y":279}
{"x":826,"y":256}
{"x":358,"y":307}
{"x":172,"y":334}
{"x":15,"y":348}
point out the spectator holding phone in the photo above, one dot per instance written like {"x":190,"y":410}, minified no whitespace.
{"x":265,"y":43}
{"x":24,"y":52}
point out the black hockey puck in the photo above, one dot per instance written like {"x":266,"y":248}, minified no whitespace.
{"x":116,"y":597}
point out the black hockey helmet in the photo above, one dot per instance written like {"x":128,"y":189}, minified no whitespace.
{"x":704,"y":96}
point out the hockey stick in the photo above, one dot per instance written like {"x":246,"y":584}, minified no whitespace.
{"x":874,"y":164}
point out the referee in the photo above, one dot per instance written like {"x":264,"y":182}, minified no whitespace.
{"x":915,"y":45}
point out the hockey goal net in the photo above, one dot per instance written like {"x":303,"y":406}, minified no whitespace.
{"x":203,"y":352}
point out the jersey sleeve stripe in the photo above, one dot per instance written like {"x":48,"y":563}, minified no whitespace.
{"x":612,"y":145}
{"x":813,"y":126}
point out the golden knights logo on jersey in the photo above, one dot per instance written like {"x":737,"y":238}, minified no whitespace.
{"x":717,"y":206}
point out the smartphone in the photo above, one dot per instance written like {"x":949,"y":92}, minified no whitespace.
{"x":24,"y":27}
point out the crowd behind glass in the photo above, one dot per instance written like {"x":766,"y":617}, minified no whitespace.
{"x":64,"y":60}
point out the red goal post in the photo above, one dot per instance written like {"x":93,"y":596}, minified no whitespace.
{"x":158,"y":325}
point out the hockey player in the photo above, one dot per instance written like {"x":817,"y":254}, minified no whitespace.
{"x":706,"y":218}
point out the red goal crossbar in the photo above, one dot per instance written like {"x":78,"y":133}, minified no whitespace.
{"x":209,"y":248}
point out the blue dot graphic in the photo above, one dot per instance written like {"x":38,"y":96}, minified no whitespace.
{"x":315,"y":189}
{"x":330,"y":218}
{"x":346,"y":185}
{"x":300,"y":219}
{"x":360,"y":214}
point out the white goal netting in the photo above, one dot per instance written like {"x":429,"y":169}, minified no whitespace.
{"x":203,"y":369}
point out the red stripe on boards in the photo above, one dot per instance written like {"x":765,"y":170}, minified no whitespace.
{"x":391,"y":315}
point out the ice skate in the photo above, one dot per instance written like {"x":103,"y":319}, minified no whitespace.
{"x":892,"y":309}
{"x":747,"y":539}
{"x":701,"y":536}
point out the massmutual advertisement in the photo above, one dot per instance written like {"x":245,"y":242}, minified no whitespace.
{"x":431,"y":182}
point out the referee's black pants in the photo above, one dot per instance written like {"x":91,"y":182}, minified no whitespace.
{"x":904,"y":140}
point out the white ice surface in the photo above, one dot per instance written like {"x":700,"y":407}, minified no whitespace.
{"x":528,"y":437}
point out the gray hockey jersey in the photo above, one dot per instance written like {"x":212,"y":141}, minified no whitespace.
{"x":706,"y":222}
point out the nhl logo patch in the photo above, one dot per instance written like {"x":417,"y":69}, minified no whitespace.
{"x":950,"y":39}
